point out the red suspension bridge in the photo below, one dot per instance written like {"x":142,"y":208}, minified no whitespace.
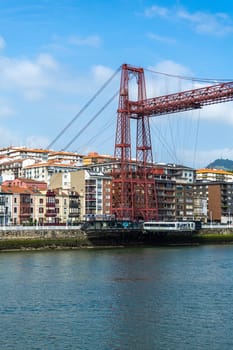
{"x":133,"y":194}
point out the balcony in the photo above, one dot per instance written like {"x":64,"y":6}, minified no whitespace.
{"x":74,"y":205}
{"x":50,"y":213}
{"x":50,"y":205}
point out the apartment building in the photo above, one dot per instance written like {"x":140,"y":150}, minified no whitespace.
{"x":26,"y":183}
{"x":216,"y":200}
{"x":22,"y":204}
{"x":95,"y":158}
{"x":21,"y":210}
{"x":184,"y":202}
{"x":38,"y":205}
{"x":36,"y":164}
{"x":22,"y":152}
{"x":5,"y":209}
{"x":62,"y":207}
{"x":11,"y":168}
{"x":93,"y":188}
{"x":165,"y":190}
{"x":66,"y":156}
{"x":178,"y":173}
{"x":174,"y":191}
{"x":43,"y":171}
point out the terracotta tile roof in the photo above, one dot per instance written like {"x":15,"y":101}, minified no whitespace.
{"x":19,"y":190}
{"x":8,"y":162}
{"x":64,"y":153}
{"x":51,"y":163}
{"x":37,"y":150}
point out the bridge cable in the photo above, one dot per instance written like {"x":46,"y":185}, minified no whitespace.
{"x":90,"y":121}
{"x":164,"y":142}
{"x":105,"y":127}
{"x":196,"y":139}
{"x":204,"y":80}
{"x":83,"y":108}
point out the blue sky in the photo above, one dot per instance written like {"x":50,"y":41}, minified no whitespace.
{"x":55,"y":55}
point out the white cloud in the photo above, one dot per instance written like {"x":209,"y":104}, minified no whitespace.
{"x":157,"y":11}
{"x":28,"y":77}
{"x":101,"y":73}
{"x":217,"y":24}
{"x":164,"y":39}
{"x":220,"y":113}
{"x":7,"y":137}
{"x":35,"y":141}
{"x":33,"y":94}
{"x":203,"y":158}
{"x":92,"y":40}
{"x":167,"y":78}
{"x":5,"y":111}
{"x":47,"y":61}
{"x":23,"y":72}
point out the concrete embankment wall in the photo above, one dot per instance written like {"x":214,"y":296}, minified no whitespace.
{"x":7,"y":233}
{"x":217,"y":230}
{"x":23,"y":239}
{"x":220,"y":235}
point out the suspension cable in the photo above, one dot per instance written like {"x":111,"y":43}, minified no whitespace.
{"x":99,"y":132}
{"x":83,"y":108}
{"x":203,"y":80}
{"x":196,"y":139}
{"x":164,"y":143}
{"x":90,"y":121}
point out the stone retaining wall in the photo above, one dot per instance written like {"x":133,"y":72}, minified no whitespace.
{"x":71,"y":233}
{"x":220,"y":231}
{"x":41,"y":233}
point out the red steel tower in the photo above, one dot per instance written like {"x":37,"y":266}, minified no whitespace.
{"x":133,"y":187}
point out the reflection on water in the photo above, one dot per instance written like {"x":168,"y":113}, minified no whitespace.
{"x":145,"y":298}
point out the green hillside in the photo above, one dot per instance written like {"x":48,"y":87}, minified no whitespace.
{"x":225,"y":164}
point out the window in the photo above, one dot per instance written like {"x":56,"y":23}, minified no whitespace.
{"x":41,"y":200}
{"x":50,"y":199}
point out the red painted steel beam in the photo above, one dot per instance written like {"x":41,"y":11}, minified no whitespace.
{"x":182,"y":101}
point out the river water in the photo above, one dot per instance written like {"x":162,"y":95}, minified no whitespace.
{"x":118,"y":299}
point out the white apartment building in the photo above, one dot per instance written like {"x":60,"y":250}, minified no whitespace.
{"x":44,"y":170}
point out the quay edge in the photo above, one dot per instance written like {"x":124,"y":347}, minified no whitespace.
{"x":75,"y":239}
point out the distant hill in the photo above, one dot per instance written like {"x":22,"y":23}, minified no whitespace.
{"x":225,"y":164}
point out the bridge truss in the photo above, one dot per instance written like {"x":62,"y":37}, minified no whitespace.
{"x":133,"y":192}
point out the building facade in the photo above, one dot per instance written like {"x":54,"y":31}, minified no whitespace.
{"x":216,"y":201}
